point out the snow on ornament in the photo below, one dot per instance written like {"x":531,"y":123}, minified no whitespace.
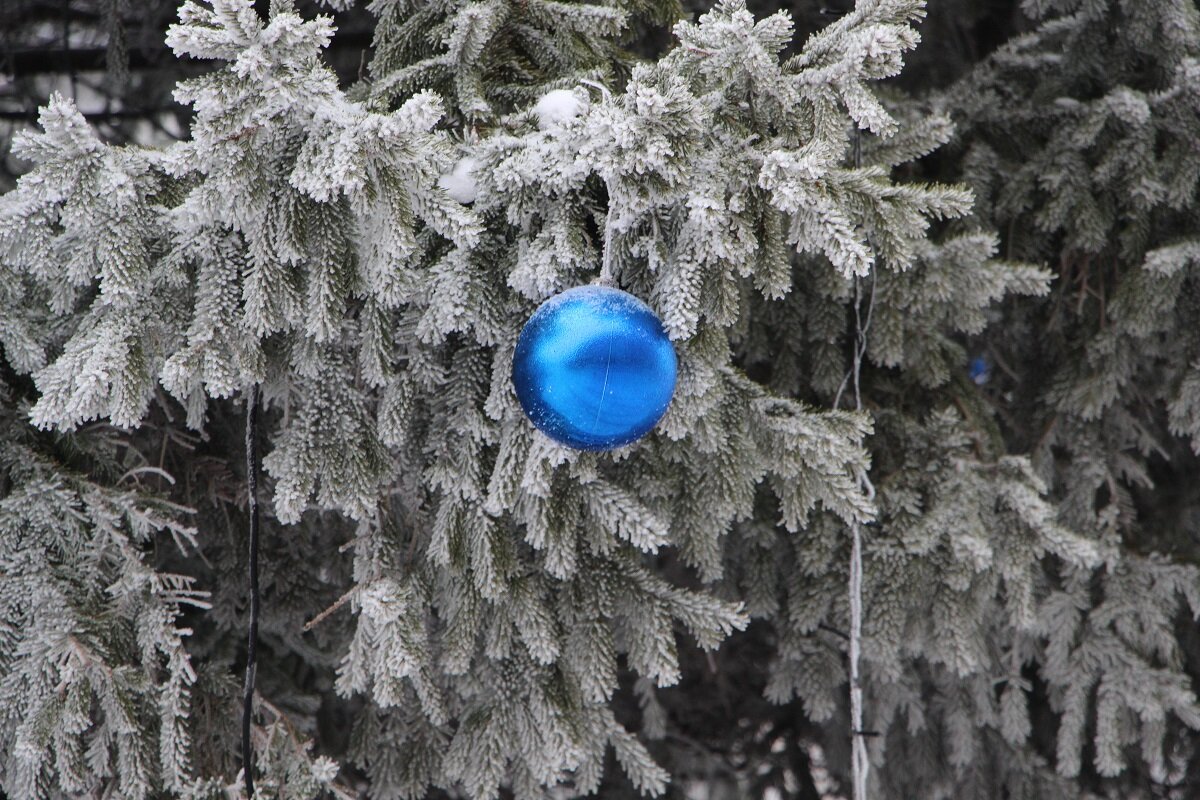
{"x":460,"y":182}
{"x":557,"y":107}
{"x":593,"y":368}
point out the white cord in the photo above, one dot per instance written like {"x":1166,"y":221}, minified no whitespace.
{"x":606,"y":277}
{"x":860,"y":763}
{"x":604,"y":92}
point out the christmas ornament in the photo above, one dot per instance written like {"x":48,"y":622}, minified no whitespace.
{"x":460,"y":182}
{"x":593,"y":368}
{"x":980,"y":371}
{"x":557,"y":107}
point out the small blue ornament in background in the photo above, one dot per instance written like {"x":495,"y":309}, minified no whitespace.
{"x":979,"y":371}
{"x":593,"y":368}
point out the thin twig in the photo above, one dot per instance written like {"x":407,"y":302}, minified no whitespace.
{"x":341,"y":601}
{"x":833,"y":630}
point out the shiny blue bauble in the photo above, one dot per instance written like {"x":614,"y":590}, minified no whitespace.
{"x":593,"y":368}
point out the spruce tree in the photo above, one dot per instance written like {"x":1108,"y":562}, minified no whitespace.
{"x":455,"y":604}
{"x":1079,"y":139}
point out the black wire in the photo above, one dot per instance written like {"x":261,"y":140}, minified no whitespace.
{"x":252,"y":636}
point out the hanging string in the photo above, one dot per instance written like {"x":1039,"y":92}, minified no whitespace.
{"x":606,"y":276}
{"x":860,"y":763}
{"x":252,"y":468}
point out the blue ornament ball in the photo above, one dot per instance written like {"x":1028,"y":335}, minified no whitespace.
{"x":979,"y":371}
{"x":593,"y":368}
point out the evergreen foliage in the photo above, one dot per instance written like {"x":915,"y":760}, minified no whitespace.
{"x":456,"y":605}
{"x":1091,"y":166}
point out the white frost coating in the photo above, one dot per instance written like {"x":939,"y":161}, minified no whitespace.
{"x":558,"y":106}
{"x":460,"y":182}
